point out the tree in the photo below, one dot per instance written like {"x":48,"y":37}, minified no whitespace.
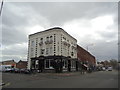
{"x":114,"y":63}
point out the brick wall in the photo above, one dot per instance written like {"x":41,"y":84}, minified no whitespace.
{"x":85,"y":56}
{"x":21,"y":64}
{"x":9,"y":62}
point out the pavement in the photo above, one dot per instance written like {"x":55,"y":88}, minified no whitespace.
{"x":100,"y":79}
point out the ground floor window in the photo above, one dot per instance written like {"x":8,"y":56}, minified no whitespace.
{"x":48,"y":64}
{"x":64,"y":63}
{"x":73,"y":64}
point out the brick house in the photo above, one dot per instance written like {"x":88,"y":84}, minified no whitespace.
{"x":21,"y":64}
{"x":9,"y":62}
{"x":85,"y":57}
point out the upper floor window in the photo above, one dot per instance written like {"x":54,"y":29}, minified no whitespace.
{"x":42,"y":51}
{"x":51,"y":50}
{"x":32,"y":43}
{"x":41,"y":39}
{"x":64,"y":38}
{"x":51,"y":37}
{"x":47,"y":38}
{"x":32,"y":49}
{"x":46,"y":50}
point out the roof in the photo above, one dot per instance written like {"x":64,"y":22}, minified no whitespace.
{"x":9,"y":61}
{"x":85,"y":50}
{"x":54,"y":28}
{"x":22,"y":61}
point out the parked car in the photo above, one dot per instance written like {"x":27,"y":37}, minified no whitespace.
{"x":103,"y":68}
{"x":5,"y":68}
{"x":27,"y":71}
{"x":109,"y":68}
{"x":12,"y":70}
{"x":17,"y":70}
{"x":99,"y":68}
{"x":22,"y":70}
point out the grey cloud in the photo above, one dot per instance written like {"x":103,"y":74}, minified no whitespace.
{"x":103,"y":50}
{"x":108,"y":35}
{"x":11,"y":18}
{"x":55,"y":14}
{"x":59,"y":13}
{"x":12,"y":35}
{"x":16,"y":50}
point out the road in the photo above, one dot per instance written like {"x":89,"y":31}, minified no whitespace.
{"x":101,"y":79}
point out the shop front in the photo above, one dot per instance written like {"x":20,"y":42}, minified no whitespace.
{"x":54,"y":64}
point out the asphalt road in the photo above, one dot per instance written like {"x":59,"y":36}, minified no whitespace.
{"x":101,"y":79}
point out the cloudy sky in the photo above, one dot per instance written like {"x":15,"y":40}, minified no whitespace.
{"x":94,"y":25}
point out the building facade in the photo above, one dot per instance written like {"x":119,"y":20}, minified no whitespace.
{"x":85,"y":57}
{"x":9,"y":62}
{"x":48,"y":48}
{"x":21,"y":64}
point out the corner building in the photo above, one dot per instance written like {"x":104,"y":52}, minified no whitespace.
{"x":48,"y":48}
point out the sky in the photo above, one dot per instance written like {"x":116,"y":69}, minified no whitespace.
{"x":93,"y":24}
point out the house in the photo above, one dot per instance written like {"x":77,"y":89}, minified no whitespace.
{"x":85,"y":57}
{"x":21,"y":64}
{"x":9,"y":62}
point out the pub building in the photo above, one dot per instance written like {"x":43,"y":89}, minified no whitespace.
{"x":53,"y":50}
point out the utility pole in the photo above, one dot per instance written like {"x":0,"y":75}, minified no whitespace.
{"x":1,"y":8}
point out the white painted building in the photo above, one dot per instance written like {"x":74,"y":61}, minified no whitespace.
{"x":50,"y":44}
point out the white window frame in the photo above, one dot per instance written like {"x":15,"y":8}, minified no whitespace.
{"x":32,"y":43}
{"x":49,"y":64}
{"x":73,"y":64}
{"x":47,"y":51}
{"x":64,"y":64}
{"x":51,"y":50}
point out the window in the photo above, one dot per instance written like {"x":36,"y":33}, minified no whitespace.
{"x":54,"y":48}
{"x":50,"y":63}
{"x":42,"y":51}
{"x":41,"y":40}
{"x":50,"y":50}
{"x":58,"y":48}
{"x":72,"y":54}
{"x":64,"y":63}
{"x":47,"y":51}
{"x":36,"y":62}
{"x":31,"y":54}
{"x":32,"y":43}
{"x":73,"y":64}
{"x":47,"y":64}
{"x":31,"y":49}
{"x":47,"y":38}
{"x":50,"y":37}
{"x":54,"y":38}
